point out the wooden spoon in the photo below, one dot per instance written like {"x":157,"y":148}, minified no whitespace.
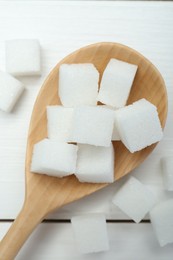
{"x":45,"y":194}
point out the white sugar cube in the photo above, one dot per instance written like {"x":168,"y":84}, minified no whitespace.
{"x":167,"y":172}
{"x":138,"y":125}
{"x":90,"y":233}
{"x":116,"y":83}
{"x":10,"y":91}
{"x":92,"y":125}
{"x":23,"y":57}
{"x":95,"y":164}
{"x":59,"y":122}
{"x":162,"y":221}
{"x":115,"y":133}
{"x":134,"y":199}
{"x":78,"y":84}
{"x":54,"y":158}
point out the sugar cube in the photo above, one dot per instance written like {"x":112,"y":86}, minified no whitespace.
{"x":95,"y":164}
{"x":10,"y":91}
{"x":115,"y":133}
{"x":138,"y":125}
{"x":116,"y":83}
{"x":134,"y":199}
{"x":90,"y":233}
{"x":162,"y":221}
{"x":54,"y":158}
{"x":92,"y":125}
{"x":59,"y":122}
{"x":167,"y":172}
{"x":23,"y":57}
{"x":78,"y":84}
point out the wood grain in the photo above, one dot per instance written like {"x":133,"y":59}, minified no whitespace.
{"x":44,"y":193}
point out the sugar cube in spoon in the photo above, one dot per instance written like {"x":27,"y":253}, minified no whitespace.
{"x":95,"y":164}
{"x":78,"y":84}
{"x":116,"y":83}
{"x":59,"y":122}
{"x":92,"y":125}
{"x":54,"y":158}
{"x":115,"y":133}
{"x":138,"y":125}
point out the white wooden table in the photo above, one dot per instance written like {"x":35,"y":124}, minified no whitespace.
{"x":61,"y":28}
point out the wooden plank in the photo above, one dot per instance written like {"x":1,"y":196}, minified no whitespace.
{"x":127,"y":241}
{"x":98,"y":202}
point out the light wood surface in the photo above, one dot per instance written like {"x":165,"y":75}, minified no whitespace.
{"x":55,"y":241}
{"x":44,"y":193}
{"x":62,"y":27}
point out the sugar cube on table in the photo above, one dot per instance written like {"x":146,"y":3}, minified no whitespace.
{"x":92,"y":125}
{"x":134,"y":199}
{"x":138,"y":125}
{"x":23,"y":57}
{"x":167,"y":172}
{"x":161,"y":217}
{"x":78,"y":84}
{"x":59,"y":122}
{"x":10,"y":91}
{"x":116,"y":83}
{"x":54,"y":158}
{"x":90,"y":233}
{"x":95,"y":164}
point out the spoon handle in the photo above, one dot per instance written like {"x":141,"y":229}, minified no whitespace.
{"x":29,"y":217}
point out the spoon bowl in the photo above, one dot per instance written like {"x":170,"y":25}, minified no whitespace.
{"x":44,"y":193}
